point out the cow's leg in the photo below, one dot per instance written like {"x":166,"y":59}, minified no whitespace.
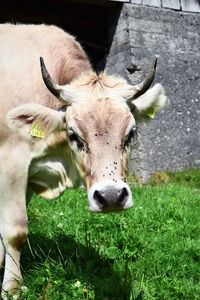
{"x":13,"y":224}
{"x":14,"y":236}
{"x":2,"y":253}
{"x":2,"y":256}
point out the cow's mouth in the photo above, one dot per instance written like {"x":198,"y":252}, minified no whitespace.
{"x":111,"y":199}
{"x":107,"y":197}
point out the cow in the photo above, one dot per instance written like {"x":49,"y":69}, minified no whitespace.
{"x":61,"y":124}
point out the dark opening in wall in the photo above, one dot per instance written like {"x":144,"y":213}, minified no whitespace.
{"x":92,"y":22}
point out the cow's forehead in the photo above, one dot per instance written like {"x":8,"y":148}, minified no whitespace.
{"x":99,"y":103}
{"x":103,"y":114}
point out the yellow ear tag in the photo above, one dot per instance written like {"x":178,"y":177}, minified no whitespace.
{"x":36,"y":131}
{"x":151,"y":113}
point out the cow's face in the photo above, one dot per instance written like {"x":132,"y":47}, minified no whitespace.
{"x":100,"y":119}
{"x":100,"y":131}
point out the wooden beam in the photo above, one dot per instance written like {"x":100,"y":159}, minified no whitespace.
{"x":156,"y":3}
{"x":192,"y":5}
{"x":173,"y":4}
{"x":136,"y":1}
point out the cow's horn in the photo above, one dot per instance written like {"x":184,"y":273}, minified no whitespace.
{"x":49,"y":82}
{"x":142,"y":87}
{"x":63,"y":93}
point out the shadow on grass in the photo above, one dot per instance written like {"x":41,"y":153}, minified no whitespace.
{"x":80,"y":263}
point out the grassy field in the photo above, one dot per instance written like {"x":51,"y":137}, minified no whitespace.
{"x":150,"y":252}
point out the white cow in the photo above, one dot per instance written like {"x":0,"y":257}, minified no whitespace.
{"x":77,"y":130}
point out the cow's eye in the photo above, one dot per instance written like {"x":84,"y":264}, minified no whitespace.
{"x":129,"y":137}
{"x":74,"y":137}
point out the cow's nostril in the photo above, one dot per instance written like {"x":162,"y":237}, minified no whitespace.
{"x":122,"y":195}
{"x":99,"y":197}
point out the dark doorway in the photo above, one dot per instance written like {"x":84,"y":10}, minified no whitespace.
{"x":92,"y":22}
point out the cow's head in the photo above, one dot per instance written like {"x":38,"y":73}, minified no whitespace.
{"x":100,"y":118}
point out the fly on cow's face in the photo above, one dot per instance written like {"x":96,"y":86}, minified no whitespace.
{"x":75,"y":137}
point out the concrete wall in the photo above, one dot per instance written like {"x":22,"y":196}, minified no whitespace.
{"x":171,"y":141}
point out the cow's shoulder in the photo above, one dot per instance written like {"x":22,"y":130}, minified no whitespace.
{"x":15,"y":155}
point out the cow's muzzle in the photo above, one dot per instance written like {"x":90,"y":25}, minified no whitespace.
{"x":106,"y":196}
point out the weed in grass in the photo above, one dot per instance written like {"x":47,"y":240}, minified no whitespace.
{"x":160,"y":178}
{"x":189,"y":177}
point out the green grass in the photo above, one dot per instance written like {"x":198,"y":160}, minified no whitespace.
{"x":151,"y":251}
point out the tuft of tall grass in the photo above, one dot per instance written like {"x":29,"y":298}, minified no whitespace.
{"x":190,"y":177}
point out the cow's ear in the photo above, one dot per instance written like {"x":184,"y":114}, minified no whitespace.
{"x":147,"y":105}
{"x":36,"y":119}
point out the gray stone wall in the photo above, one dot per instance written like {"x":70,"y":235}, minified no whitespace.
{"x":171,"y":141}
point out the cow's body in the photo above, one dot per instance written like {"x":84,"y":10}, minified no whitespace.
{"x":20,"y":49}
{"x":51,"y":171}
{"x":21,"y":77}
{"x":98,"y":119}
